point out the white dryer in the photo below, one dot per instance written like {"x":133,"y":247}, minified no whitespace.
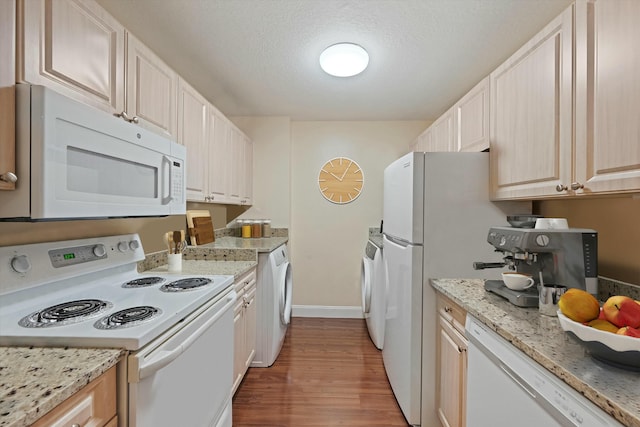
{"x":373,"y":281}
{"x":273,"y":297}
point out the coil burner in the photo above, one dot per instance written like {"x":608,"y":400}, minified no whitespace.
{"x":188,"y":284}
{"x":66,"y":313}
{"x":128,"y":317}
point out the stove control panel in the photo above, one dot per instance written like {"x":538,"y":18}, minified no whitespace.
{"x":76,"y":255}
{"x":27,"y":266}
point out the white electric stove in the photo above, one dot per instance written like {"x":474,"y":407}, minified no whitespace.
{"x":88,"y":293}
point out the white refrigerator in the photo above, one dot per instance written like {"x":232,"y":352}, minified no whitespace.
{"x":436,"y":215}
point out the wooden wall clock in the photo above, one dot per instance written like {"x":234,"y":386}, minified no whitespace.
{"x":340,"y":180}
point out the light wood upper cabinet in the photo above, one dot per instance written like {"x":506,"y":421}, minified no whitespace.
{"x":246,"y":174}
{"x":471,"y":119}
{"x":220,"y":157}
{"x":74,"y":47}
{"x":531,"y":115}
{"x":193,"y":133}
{"x":607,"y":97}
{"x":442,"y":133}
{"x":151,"y":89}
{"x":7,"y":92}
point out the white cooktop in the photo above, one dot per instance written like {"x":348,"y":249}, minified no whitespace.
{"x":99,"y":277}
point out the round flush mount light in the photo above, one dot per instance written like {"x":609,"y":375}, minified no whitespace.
{"x":344,"y":59}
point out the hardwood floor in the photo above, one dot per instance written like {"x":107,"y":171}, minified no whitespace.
{"x":328,"y":373}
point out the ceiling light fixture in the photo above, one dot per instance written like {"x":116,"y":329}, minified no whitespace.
{"x":344,"y":59}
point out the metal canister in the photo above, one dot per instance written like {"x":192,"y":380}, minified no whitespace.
{"x":266,"y":228}
{"x":256,"y":228}
{"x":246,"y":229}
{"x":548,"y":298}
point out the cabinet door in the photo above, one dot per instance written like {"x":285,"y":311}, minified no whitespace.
{"x":237,"y":161}
{"x":76,"y":48}
{"x":471,"y":119}
{"x":193,"y":134}
{"x":238,"y":343}
{"x":608,"y":97}
{"x":452,"y":370}
{"x":151,"y":89}
{"x":219,"y":157}
{"x":531,"y":115}
{"x":246,"y":173}
{"x":442,"y":133}
{"x":7,"y":92}
{"x":250,"y":320}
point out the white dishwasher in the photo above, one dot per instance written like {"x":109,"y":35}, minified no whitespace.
{"x":505,"y":388}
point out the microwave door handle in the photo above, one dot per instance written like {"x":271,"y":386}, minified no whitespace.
{"x":166,"y":160}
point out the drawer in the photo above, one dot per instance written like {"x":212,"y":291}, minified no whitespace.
{"x":452,"y":313}
{"x":244,"y":281}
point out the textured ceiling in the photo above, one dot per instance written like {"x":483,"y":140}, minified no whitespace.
{"x":260,"y":57}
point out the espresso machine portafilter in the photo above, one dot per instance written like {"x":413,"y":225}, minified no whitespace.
{"x":567,"y":257}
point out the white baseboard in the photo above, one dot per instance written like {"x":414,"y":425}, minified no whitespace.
{"x":342,"y":312}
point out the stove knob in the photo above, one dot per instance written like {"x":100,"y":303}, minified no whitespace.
{"x":99,"y":251}
{"x":123,"y":247}
{"x":21,"y":264}
{"x":134,"y":244}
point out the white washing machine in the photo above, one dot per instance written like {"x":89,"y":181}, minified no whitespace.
{"x":273,"y":296}
{"x":373,"y":280}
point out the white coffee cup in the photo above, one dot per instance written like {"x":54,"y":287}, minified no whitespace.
{"x":517,"y":281}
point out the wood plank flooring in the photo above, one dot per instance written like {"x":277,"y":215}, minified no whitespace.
{"x":328,"y":373}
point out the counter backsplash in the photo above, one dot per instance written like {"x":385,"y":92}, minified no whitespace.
{"x":609,"y":287}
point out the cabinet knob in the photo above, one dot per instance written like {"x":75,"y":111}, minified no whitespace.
{"x":576,"y":186}
{"x":9,"y":177}
{"x":447,"y":309}
{"x":560,"y":188}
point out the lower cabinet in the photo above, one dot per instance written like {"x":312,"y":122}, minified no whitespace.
{"x":93,"y":406}
{"x":451,"y":364}
{"x":244,"y":324}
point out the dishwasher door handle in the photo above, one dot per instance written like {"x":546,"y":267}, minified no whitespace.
{"x":518,"y":380}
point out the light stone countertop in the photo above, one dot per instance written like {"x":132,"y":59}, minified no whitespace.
{"x":199,"y":267}
{"x":616,"y":391}
{"x":33,"y":380}
{"x":263,"y":244}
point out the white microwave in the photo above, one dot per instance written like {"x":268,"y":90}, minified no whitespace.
{"x":75,"y":161}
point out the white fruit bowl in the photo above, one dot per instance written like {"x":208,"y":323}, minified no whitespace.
{"x":619,"y":350}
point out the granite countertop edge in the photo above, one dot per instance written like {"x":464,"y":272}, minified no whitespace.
{"x":36,"y":380}
{"x":542,"y":339}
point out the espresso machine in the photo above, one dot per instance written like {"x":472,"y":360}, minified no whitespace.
{"x":566,"y":257}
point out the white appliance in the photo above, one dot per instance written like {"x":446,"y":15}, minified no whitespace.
{"x":87,"y":293}
{"x":373,"y":283}
{"x":436,"y":213}
{"x":273,"y":312}
{"x":74,"y":161}
{"x":503,"y":385}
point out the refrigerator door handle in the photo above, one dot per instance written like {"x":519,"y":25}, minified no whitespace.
{"x":399,"y":242}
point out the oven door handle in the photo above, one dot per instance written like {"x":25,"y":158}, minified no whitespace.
{"x":163,"y":358}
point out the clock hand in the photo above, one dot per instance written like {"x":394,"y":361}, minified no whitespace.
{"x":335,"y":176}
{"x":345,"y":171}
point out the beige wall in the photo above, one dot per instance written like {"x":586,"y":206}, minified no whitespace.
{"x":617,"y":221}
{"x":328,"y":240}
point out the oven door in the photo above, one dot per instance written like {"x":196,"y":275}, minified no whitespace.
{"x":184,"y":377}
